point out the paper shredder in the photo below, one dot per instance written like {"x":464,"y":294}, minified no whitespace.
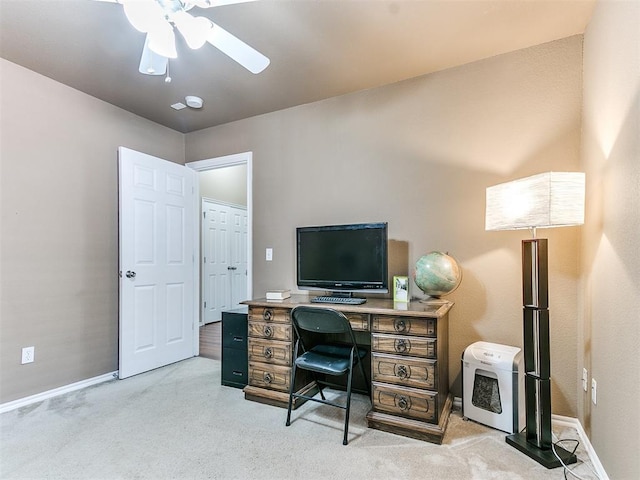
{"x":493,"y":386}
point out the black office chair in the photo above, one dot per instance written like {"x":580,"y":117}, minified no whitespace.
{"x":323,"y":358}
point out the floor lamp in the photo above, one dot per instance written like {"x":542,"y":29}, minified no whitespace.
{"x":553,"y":199}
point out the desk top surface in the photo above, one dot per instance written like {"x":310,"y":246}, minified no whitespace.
{"x":433,"y":307}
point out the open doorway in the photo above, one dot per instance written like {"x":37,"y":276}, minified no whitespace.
{"x":229,"y":180}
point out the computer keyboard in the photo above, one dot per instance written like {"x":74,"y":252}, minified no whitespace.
{"x":339,"y":300}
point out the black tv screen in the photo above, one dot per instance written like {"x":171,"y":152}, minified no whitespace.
{"x":350,"y":258}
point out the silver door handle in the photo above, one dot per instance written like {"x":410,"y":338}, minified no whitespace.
{"x":130,"y":274}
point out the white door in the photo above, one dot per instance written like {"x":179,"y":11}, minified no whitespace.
{"x":224,"y":258}
{"x":238,"y":245}
{"x":157,"y":263}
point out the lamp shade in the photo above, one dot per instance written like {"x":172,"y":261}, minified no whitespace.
{"x":552,"y":199}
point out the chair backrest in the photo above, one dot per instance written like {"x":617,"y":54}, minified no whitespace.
{"x":320,"y":320}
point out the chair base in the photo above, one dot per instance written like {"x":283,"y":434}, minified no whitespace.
{"x":345,"y":407}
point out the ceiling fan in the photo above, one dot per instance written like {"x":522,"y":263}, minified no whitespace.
{"x":160,"y":18}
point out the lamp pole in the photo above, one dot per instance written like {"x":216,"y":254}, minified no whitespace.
{"x":536,"y":441}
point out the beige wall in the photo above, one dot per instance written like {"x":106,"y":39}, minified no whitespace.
{"x":59,"y":233}
{"x":228,"y":184}
{"x":419,"y":154}
{"x":609,"y":330}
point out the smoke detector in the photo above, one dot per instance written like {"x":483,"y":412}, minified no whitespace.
{"x":193,"y":102}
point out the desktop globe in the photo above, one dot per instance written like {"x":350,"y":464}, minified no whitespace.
{"x":437,"y":274}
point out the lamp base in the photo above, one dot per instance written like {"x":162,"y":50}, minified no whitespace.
{"x":543,"y":457}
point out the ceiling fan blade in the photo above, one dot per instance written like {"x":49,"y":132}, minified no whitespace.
{"x":151,"y":63}
{"x":236,"y":49}
{"x":216,"y":3}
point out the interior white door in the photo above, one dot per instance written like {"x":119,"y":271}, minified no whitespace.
{"x":224,"y":258}
{"x":239,"y":256}
{"x":157,"y":262}
{"x":215,"y":261}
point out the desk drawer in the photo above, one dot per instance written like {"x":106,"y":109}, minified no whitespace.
{"x":270,"y":351}
{"x":414,"y":372}
{"x":358,"y":321}
{"x":402,"y":345}
{"x":405,"y":401}
{"x":269,"y":314}
{"x":421,"y":326}
{"x":273,"y":331}
{"x":269,"y":376}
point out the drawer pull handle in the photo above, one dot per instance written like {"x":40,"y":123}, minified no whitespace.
{"x":402,"y":372}
{"x":402,"y":346}
{"x":238,"y":339}
{"x":268,"y":331}
{"x":399,"y":325}
{"x":267,"y":377}
{"x":267,"y":315}
{"x":404,"y":403}
{"x":268,"y":352}
{"x":236,"y":373}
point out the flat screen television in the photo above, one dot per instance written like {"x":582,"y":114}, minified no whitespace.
{"x":343,"y":258}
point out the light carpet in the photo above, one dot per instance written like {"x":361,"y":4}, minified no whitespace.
{"x":178,"y":422}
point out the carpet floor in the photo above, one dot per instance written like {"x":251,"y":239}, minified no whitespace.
{"x":178,"y":422}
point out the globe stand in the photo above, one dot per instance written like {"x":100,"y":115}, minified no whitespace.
{"x":433,"y":300}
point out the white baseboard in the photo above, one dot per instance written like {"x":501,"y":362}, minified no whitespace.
{"x":584,"y":439}
{"x":39,"y":397}
{"x":567,"y":422}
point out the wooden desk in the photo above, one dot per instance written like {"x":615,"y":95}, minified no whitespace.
{"x":409,"y":360}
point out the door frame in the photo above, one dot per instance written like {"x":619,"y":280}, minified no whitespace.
{"x":244,"y":158}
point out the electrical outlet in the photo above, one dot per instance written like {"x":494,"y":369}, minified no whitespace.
{"x":594,"y":391}
{"x":585,"y":379}
{"x":269,"y":254}
{"x":28,"y":354}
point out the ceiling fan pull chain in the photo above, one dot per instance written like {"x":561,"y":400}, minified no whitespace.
{"x":168,"y":77}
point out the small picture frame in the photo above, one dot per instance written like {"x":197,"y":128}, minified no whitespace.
{"x":400,"y":289}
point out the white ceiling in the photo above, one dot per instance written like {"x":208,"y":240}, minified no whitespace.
{"x":318,"y":49}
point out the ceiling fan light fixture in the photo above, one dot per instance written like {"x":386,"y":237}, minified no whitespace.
{"x":194,"y":29}
{"x":143,"y":14}
{"x":163,"y":41}
{"x":157,"y":18}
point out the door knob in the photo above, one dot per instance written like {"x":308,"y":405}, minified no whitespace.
{"x":130,"y":274}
